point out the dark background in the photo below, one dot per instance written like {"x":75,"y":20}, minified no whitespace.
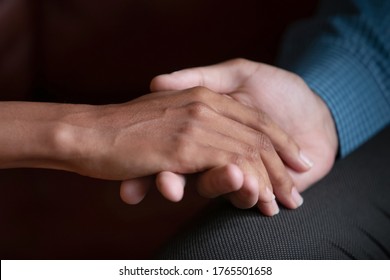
{"x":96,"y":52}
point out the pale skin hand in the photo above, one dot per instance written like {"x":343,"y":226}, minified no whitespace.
{"x":182,"y":132}
{"x":283,"y":95}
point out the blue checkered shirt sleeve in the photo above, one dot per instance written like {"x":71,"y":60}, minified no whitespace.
{"x":344,"y":56}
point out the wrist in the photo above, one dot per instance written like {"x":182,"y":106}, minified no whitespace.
{"x":73,"y":138}
{"x":328,"y":125}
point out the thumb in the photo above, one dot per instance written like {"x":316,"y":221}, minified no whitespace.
{"x":224,"y":77}
{"x":134,"y":191}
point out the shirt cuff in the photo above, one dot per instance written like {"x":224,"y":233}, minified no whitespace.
{"x":350,"y":90}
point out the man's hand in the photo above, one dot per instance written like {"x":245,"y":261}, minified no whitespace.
{"x":283,"y":96}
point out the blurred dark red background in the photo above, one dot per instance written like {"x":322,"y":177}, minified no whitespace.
{"x":96,"y":52}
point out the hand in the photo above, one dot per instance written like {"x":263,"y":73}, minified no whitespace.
{"x":282,"y":95}
{"x":185,"y":132}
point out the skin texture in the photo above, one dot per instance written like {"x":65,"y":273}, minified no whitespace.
{"x":284,"y":97}
{"x":179,"y":132}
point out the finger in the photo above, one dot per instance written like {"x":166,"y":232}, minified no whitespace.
{"x":256,"y":150}
{"x":250,"y":194}
{"x":282,"y":183}
{"x":219,"y":181}
{"x":270,"y":208}
{"x":171,"y":185}
{"x":288,"y":150}
{"x":267,"y":201}
{"x":222,"y":77}
{"x":247,"y":196}
{"x":256,"y":187}
{"x":134,"y":191}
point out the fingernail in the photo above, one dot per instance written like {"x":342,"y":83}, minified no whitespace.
{"x":306,"y":160}
{"x":274,"y":208}
{"x":298,"y":199}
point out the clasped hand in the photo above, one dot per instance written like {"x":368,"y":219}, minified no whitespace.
{"x":253,"y":147}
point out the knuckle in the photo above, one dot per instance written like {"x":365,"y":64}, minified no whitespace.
{"x":264,"y":142}
{"x":237,"y":159}
{"x":198,"y":110}
{"x":252,"y":153}
{"x":199,"y":93}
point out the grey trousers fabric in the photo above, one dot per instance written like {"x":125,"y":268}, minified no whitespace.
{"x":345,"y":216}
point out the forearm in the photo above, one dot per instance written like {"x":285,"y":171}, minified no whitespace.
{"x":39,"y":135}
